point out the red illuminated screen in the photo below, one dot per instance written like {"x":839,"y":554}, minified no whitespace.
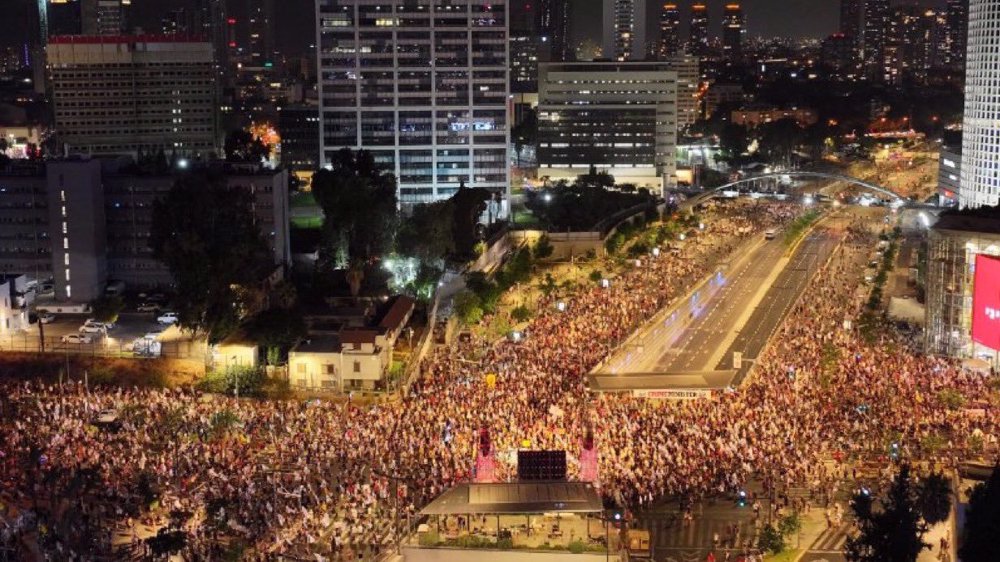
{"x":986,"y":302}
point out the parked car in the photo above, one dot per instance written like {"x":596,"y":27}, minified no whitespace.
{"x":148,"y":307}
{"x":76,"y":338}
{"x":167,"y":318}
{"x":106,"y":325}
{"x":46,"y":317}
{"x":92,"y":328}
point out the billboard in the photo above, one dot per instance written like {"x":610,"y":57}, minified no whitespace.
{"x":986,"y":302}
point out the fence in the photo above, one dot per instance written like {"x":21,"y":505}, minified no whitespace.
{"x":103,"y":346}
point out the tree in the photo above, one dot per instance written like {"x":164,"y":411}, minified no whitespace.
{"x":107,"y":308}
{"x":982,"y":522}
{"x":934,"y":498}
{"x":205,"y":231}
{"x":468,"y":308}
{"x":242,"y":146}
{"x":543,"y":248}
{"x":893,"y":533}
{"x":733,"y":141}
{"x":277,"y":328}
{"x":778,"y":139}
{"x":427,"y":233}
{"x":358,"y":199}
{"x":468,"y":205}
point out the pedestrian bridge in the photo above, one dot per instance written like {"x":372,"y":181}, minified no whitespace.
{"x":804,"y":175}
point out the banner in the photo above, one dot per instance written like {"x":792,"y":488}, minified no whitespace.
{"x":986,"y":302}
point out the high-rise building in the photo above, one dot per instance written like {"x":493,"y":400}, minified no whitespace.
{"x":525,"y":39}
{"x":876,"y":17}
{"x":554,"y":27}
{"x":81,"y":221}
{"x":625,"y":29}
{"x":43,"y":22}
{"x":732,"y":30}
{"x":209,"y":20}
{"x":670,"y":31}
{"x":102,"y":17}
{"x":980,"y":183}
{"x":122,"y":94}
{"x":620,"y":117}
{"x":422,"y":85}
{"x":850,"y":19}
{"x":260,"y":30}
{"x":698,"y":33}
{"x":688,"y":78}
{"x":175,"y":21}
{"x":957,"y":16}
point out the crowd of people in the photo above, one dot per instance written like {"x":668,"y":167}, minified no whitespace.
{"x":86,"y":470}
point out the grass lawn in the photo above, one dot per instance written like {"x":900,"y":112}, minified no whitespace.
{"x":524,"y":218}
{"x":786,"y":556}
{"x":306,"y":222}
{"x":302,"y":199}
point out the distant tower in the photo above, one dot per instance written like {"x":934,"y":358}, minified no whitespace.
{"x":980,"y":183}
{"x":625,"y":29}
{"x":698,"y":36}
{"x":877,"y":17}
{"x":958,"y":29}
{"x":850,"y":19}
{"x":43,"y":22}
{"x":554,"y":25}
{"x":670,"y":31}
{"x":732,"y":30}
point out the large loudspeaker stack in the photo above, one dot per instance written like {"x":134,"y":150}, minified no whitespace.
{"x":541,"y":465}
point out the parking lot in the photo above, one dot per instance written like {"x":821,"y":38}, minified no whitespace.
{"x":117,"y":342}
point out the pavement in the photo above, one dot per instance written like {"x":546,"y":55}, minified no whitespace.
{"x":781,"y":296}
{"x":735,"y":309}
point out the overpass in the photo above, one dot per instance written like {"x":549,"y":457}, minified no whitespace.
{"x":708,"y":194}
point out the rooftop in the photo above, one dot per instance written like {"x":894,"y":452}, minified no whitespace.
{"x":319,"y":344}
{"x":517,"y":498}
{"x":982,"y":219}
{"x":118,"y":39}
{"x":401,"y":307}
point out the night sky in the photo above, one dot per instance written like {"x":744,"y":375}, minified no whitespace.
{"x":765,"y":18}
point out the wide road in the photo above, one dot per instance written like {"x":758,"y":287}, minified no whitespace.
{"x":735,"y":310}
{"x":687,"y":338}
{"x":782,"y":294}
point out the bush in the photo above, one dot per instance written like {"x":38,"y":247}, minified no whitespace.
{"x":596,"y":276}
{"x":521,"y":314}
{"x":249,"y":381}
{"x":615,"y":242}
{"x":468,"y":308}
{"x":430,"y":538}
{"x":505,"y":544}
{"x":770,"y":540}
{"x":543,"y":248}
{"x":577,"y":547}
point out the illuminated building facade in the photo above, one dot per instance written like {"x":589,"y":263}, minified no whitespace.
{"x":422,"y":85}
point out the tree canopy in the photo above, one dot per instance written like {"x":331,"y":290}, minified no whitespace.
{"x":358,"y":199}
{"x":982,"y":522}
{"x":242,"y":146}
{"x":205,"y":231}
{"x":892,"y":531}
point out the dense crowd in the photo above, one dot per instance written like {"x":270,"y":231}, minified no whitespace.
{"x":80,"y":468}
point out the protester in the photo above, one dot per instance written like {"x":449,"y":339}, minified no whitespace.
{"x":330,"y":479}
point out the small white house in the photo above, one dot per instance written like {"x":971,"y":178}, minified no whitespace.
{"x":348,"y":361}
{"x":352,"y":359}
{"x":13,"y":304}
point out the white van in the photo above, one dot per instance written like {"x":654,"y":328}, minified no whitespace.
{"x":770,"y":234}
